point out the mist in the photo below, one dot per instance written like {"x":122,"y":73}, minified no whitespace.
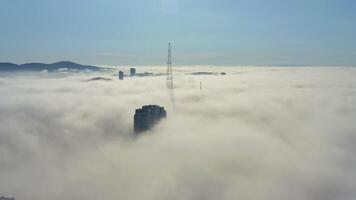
{"x":256,"y":133}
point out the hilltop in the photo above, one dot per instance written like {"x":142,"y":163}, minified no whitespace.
{"x":62,"y":65}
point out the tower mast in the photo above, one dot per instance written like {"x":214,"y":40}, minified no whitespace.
{"x":169,"y":69}
{"x":170,"y":74}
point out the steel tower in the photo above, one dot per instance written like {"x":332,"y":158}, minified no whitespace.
{"x":169,"y":69}
{"x":170,"y":74}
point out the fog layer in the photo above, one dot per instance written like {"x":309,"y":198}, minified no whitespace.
{"x":256,"y":133}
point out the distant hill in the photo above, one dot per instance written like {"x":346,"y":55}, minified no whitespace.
{"x":99,"y":79}
{"x":10,"y":67}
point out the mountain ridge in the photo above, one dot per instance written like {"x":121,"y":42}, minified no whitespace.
{"x":52,"y":67}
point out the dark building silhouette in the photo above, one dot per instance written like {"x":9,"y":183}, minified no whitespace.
{"x":132,"y":71}
{"x":147,"y":116}
{"x":121,"y":75}
{"x":7,"y":198}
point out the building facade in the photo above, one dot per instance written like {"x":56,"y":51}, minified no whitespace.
{"x":121,"y":75}
{"x":147,"y":116}
{"x":132,"y":71}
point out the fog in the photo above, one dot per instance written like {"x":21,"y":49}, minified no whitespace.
{"x":257,"y":133}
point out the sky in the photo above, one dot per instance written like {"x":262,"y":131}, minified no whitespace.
{"x":203,"y":32}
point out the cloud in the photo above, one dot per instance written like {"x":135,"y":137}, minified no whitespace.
{"x":256,"y":133}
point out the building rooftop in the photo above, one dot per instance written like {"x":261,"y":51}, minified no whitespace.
{"x":147,"y":116}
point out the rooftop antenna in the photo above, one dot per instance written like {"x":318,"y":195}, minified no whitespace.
{"x":170,"y":74}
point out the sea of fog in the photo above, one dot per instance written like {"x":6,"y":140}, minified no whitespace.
{"x":258,"y":133}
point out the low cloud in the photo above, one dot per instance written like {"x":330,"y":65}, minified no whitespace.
{"x":256,"y":133}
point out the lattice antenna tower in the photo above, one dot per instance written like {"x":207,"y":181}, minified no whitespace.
{"x":169,"y":68}
{"x":170,"y":85}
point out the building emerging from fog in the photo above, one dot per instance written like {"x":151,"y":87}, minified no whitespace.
{"x":147,"y":116}
{"x":132,"y":71}
{"x":7,"y":198}
{"x":121,"y":75}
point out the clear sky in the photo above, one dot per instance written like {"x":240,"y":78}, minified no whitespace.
{"x":203,"y":32}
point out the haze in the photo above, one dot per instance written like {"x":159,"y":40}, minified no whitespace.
{"x":256,"y":133}
{"x":260,"y":104}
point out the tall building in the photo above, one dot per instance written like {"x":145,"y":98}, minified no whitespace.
{"x":121,"y":75}
{"x":147,"y":116}
{"x":132,"y":71}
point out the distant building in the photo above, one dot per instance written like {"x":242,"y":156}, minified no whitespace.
{"x":132,"y":71}
{"x":147,"y":116}
{"x":121,"y":75}
{"x":7,"y":198}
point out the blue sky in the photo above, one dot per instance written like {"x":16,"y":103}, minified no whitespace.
{"x":203,"y":32}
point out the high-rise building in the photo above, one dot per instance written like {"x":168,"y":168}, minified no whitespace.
{"x":147,"y":116}
{"x":121,"y":75}
{"x":132,"y":71}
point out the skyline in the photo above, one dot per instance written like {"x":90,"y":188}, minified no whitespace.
{"x":317,"y":32}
